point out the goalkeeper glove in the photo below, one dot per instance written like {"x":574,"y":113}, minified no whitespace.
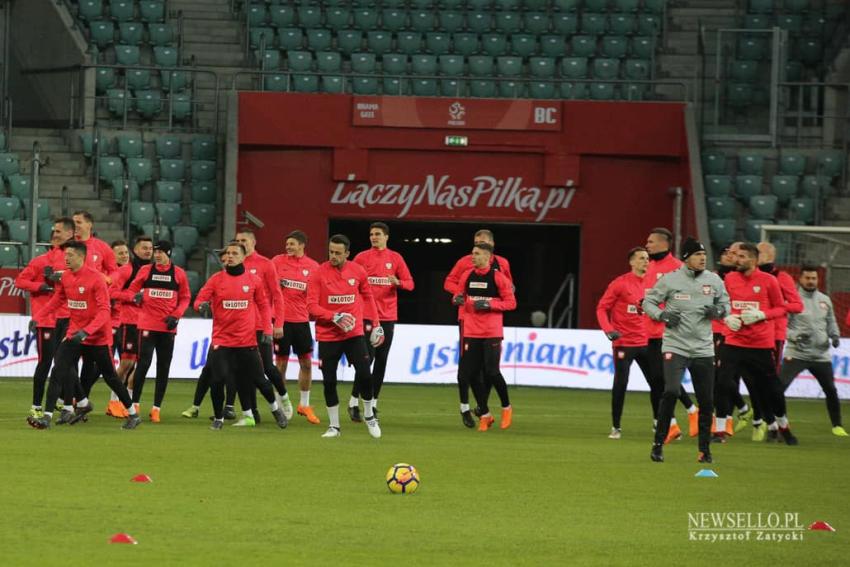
{"x":376,"y":338}
{"x":751,"y":316}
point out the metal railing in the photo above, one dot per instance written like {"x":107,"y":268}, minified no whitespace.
{"x":565,"y":315}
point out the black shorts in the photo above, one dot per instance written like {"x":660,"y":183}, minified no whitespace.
{"x":117,"y":340}
{"x":295,"y":336}
{"x":129,"y":342}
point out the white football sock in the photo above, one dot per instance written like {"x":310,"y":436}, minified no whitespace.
{"x":353,"y":402}
{"x":782,"y":421}
{"x":305,"y":398}
{"x":333,"y":416}
{"x":113,"y":396}
{"x":367,"y":409}
{"x":693,"y":409}
{"x":274,"y":406}
{"x":721,"y":424}
{"x":464,"y":407}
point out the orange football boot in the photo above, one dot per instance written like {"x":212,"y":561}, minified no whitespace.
{"x":154,"y":415}
{"x":674,"y":434}
{"x":693,"y":424}
{"x":507,"y":417}
{"x":486,"y":422}
{"x":307,"y":411}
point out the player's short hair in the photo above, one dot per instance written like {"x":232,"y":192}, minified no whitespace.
{"x":340,"y":239}
{"x":85,"y":214}
{"x":635,"y":250}
{"x":382,"y":226}
{"x":298,"y":235}
{"x":485,"y":232}
{"x":749,"y":248}
{"x":142,"y":238}
{"x":486,"y":246}
{"x":66,"y":222}
{"x":238,"y":245}
{"x":247,"y":231}
{"x":809,"y":268}
{"x":76,"y":245}
{"x":665,"y":232}
{"x":118,"y":243}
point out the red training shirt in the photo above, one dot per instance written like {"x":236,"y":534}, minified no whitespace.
{"x":340,"y":290}
{"x":86,"y":296}
{"x":293,"y":274}
{"x":619,"y":310}
{"x":760,"y":291}
{"x":263,"y":268}
{"x":379,"y":266}
{"x":235,"y":301}
{"x":656,"y":269}
{"x":157,"y":304}
{"x":486,"y":324}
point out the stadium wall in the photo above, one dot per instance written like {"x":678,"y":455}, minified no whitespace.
{"x":606,"y":166}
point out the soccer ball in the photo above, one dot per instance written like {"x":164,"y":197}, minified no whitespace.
{"x":402,"y":479}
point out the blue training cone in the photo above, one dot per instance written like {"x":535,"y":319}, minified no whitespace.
{"x":706,"y":473}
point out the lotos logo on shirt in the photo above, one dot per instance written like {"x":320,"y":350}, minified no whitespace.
{"x":379,"y":281}
{"x":161,"y":278}
{"x":161,"y":293}
{"x":74,"y":304}
{"x":706,"y":290}
{"x":478,"y":285}
{"x":682,"y":296}
{"x":292,"y":284}
{"x":479,"y":298}
{"x":341,"y":299}
{"x":744,"y":305}
{"x":235,"y":304}
{"x":351,"y":281}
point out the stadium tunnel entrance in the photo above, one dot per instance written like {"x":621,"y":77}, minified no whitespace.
{"x":541,"y":256}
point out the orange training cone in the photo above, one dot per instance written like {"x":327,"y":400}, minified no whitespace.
{"x":141,"y":478}
{"x":123,"y":538}
{"x":821,"y":526}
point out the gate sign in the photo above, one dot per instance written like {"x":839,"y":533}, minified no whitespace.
{"x":414,"y":112}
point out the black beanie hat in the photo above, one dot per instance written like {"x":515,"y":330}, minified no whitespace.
{"x":691,"y":246}
{"x":164,"y":246}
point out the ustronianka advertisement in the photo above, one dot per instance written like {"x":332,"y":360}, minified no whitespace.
{"x":428,"y":354}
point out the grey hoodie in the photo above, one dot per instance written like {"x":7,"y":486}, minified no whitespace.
{"x":688,"y":294}
{"x":818,"y":322}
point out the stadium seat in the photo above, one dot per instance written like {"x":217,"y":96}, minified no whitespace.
{"x":784,"y":187}
{"x":574,"y":67}
{"x":814,"y":186}
{"x":511,"y":89}
{"x":421,"y":21}
{"x":615,"y":46}
{"x":424,"y":87}
{"x":104,"y":79}
{"x":168,"y":146}
{"x":363,"y":63}
{"x":9,"y":164}
{"x":203,"y":170}
{"x":594,"y":23}
{"x":422,"y":64}
{"x":453,"y":87}
{"x":523,"y":45}
{"x":181,"y":106}
{"x":364,"y":86}
{"x":751,"y":164}
{"x":173,"y":80}
{"x":140,"y":169}
{"x":394,"y":85}
{"x":409,"y":43}
{"x":156,"y":231}
{"x":536,"y":23}
{"x":566,"y":5}
{"x":622,"y":24}
{"x":761,"y":6}
{"x":130,"y":145}
{"x":508,"y":22}
{"x":506,"y":4}
{"x":747,"y":186}
{"x":478,"y":22}
{"x":739,"y":95}
{"x":743,"y":71}
{"x":299,"y":60}
{"x":720,"y":207}
{"x":451,"y":65}
{"x":328,"y":62}
{"x":121,"y":187}
{"x":480,"y":65}
{"x":542,"y":67}
{"x":169,"y":213}
{"x":90,"y":9}
{"x":171,"y":169}
{"x":792,"y":23}
{"x":643,"y":47}
{"x":141,"y":213}
{"x":332,"y":84}
{"x":379,"y":42}
{"x":19,"y":185}
{"x":465,"y":44}
{"x":393,"y":20}
{"x":203,"y":192}
{"x":366,"y":19}
{"x":269,"y":60}
{"x":553,"y":46}
{"x":603,"y":91}
{"x":131,"y":33}
{"x":481,"y":88}
{"x":161,"y":34}
{"x":282,"y":16}
{"x":194,"y":279}
{"x":763,"y":206}
{"x":110,"y":168}
{"x":542,"y":90}
{"x":10,"y":256}
{"x":42,"y":209}
{"x":276,"y":83}
{"x":830,"y":163}
{"x":10,"y":208}
{"x":256,"y":15}
{"x":796,"y":6}
{"x":802,"y":209}
{"x":45,"y":230}
{"x":573,"y":91}
{"x":637,"y":69}
{"x":752,"y":229}
{"x":751,"y":48}
{"x":202,"y":216}
{"x":718,"y":185}
{"x":649,"y":24}
{"x":583,"y":46}
{"x":811,"y":50}
{"x":179,"y":256}
{"x":394,"y":64}
{"x":204,"y":147}
{"x":102,"y":33}
{"x":19,"y":230}
{"x":595,"y":5}
{"x":169,"y":191}
{"x":757,"y":21}
{"x":509,"y":66}
{"x":450,"y":21}
{"x":127,"y":55}
{"x":606,"y":69}
{"x":289,"y":38}
{"x":121,"y":10}
{"x":565,"y":23}
{"x":494,"y":44}
{"x":152,"y":10}
{"x":309,"y":16}
{"x":721,"y":231}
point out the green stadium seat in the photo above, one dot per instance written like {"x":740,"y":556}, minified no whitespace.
{"x":121,"y":187}
{"x":409,"y":42}
{"x":204,"y":147}
{"x":654,"y":6}
{"x":422,"y":21}
{"x":760,"y":6}
{"x":319,"y":39}
{"x":261,"y":35}
{"x":131,"y":33}
{"x":507,"y":66}
{"x":541,"y":67}
{"x":802,"y":209}
{"x":574,"y":67}
{"x":149,"y":103}
{"x":393,"y":20}
{"x":127,"y":55}
{"x":9,"y":164}
{"x":713,"y":162}
{"x":169,"y":191}
{"x":792,"y":23}
{"x":793,"y":71}
{"x":583,"y":46}
{"x":637,"y":69}
{"x":536,"y":23}
{"x":481,"y":88}
{"x":450,"y":21}
{"x":161,"y":34}
{"x":720,"y":207}
{"x":194,"y":279}
{"x":566,"y":5}
{"x":203,"y":170}
{"x":169,"y":214}
{"x":379,"y":42}
{"x":121,"y":10}
{"x":171,"y":169}
{"x":283,"y":16}
{"x":796,"y":6}
{"x":305,"y":83}
{"x":333,"y":84}
{"x":186,"y":237}
{"x":465,"y":44}
{"x":747,"y":186}
{"x":643,"y":47}
{"x":140,"y":169}
{"x":394,"y":64}
{"x":763,"y":206}
{"x":494,"y":44}
{"x":424,"y":87}
{"x":141,"y":213}
{"x":784,"y":187}
{"x":523,"y":45}
{"x":10,"y":208}
{"x":452,"y":4}
{"x":744,"y":71}
{"x":623,"y":24}
{"x":104,"y":79}
{"x":757,"y":22}
{"x":42,"y":211}
{"x":256,"y":15}
{"x":480,"y":65}
{"x":110,"y":167}
{"x":130,"y":145}
{"x":739,"y":95}
{"x":506,"y":4}
{"x":87,"y":141}
{"x":309,"y":16}
{"x":453,"y":87}
{"x":553,"y":46}
{"x":830,"y":163}
{"x":565,"y":23}
{"x":603,"y":91}
{"x":363,"y":63}
{"x":594,"y":24}
{"x":174,"y":81}
{"x":649,"y":24}
{"x":102,"y":33}
{"x":289,"y":38}
{"x":792,"y":164}
{"x":752,"y":229}
{"x":535,"y":5}
{"x":179,"y":257}
{"x":451,"y":65}
{"x":634,"y":92}
{"x":20,"y":185}
{"x":721,"y":231}
{"x":152,"y":10}
{"x":394,"y":85}
{"x":138,"y":79}
{"x":814,"y":186}
{"x":573,"y":91}
{"x":615,"y":46}
{"x":90,"y":9}
{"x":542,"y":90}
{"x":45,"y":230}
{"x":269,"y":60}
{"x":156,"y":231}
{"x":328,"y":61}
{"x":338,"y":18}
{"x":203,"y":192}
{"x":437,"y":43}
{"x":815,"y":23}
{"x":19,"y":230}
{"x":366,"y":19}
{"x":751,"y":48}
{"x":508,"y":22}
{"x":10,"y":256}
{"x":751,"y":164}
{"x":718,"y":185}
{"x":349,"y":41}
{"x":511,"y":89}
{"x":479,"y":22}
{"x":604,"y":68}
{"x":423,"y":64}
{"x":202,"y":217}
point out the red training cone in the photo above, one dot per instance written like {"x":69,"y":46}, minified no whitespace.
{"x":821,"y":526}
{"x":141,"y":478}
{"x":123,"y":538}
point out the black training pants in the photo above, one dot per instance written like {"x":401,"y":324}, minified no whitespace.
{"x":358,"y":356}
{"x":378,"y":360}
{"x":822,"y":371}
{"x":479,"y":367}
{"x":702,"y":376}
{"x":623,"y":358}
{"x":64,"y":378}
{"x":163,"y":343}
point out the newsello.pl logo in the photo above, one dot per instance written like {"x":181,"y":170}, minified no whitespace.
{"x":744,"y":526}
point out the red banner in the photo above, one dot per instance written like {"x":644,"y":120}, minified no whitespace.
{"x":412,"y":112}
{"x":12,"y":299}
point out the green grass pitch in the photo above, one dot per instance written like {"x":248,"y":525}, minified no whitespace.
{"x":552,"y":490}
